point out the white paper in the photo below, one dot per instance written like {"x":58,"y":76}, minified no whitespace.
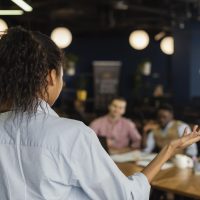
{"x":147,"y":156}
{"x":133,"y":156}
{"x":144,"y":163}
{"x":127,"y":157}
{"x":141,"y":158}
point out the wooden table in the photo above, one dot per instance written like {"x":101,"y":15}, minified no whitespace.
{"x":113,"y":151}
{"x":178,"y":181}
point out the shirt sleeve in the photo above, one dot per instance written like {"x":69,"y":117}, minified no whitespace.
{"x":150,"y":143}
{"x":134,"y":136}
{"x":192,"y":149}
{"x":99,"y":177}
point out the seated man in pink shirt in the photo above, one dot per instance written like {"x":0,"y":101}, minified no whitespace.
{"x":119,"y":131}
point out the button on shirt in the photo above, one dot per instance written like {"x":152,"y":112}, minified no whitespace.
{"x":45,"y":157}
{"x":120,"y":133}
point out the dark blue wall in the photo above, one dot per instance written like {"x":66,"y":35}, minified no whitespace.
{"x":195,"y":64}
{"x":181,"y":67}
{"x":116,"y":47}
{"x":186,"y":64}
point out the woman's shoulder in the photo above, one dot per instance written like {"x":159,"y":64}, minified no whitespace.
{"x":60,"y":133}
{"x":66,"y":126}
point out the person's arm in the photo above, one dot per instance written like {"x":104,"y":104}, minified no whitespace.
{"x":150,"y":144}
{"x":134,"y":135}
{"x":99,"y":177}
{"x":192,"y":150}
{"x":169,"y":150}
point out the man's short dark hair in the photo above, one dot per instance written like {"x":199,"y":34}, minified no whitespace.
{"x":166,"y":107}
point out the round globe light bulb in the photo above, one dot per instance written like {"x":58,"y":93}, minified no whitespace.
{"x":3,"y":25}
{"x":139,"y":39}
{"x":62,"y":37}
{"x":167,"y":45}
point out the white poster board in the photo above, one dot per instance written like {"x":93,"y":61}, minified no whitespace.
{"x":106,"y":82}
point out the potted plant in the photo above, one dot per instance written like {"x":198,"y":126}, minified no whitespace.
{"x":81,"y":88}
{"x":70,"y":64}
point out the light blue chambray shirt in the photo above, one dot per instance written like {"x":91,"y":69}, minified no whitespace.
{"x":53,"y":158}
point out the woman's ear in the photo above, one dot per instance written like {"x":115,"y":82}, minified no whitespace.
{"x":51,"y":77}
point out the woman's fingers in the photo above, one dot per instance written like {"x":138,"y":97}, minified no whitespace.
{"x":195,"y":128}
{"x":189,"y":139}
{"x":186,"y":131}
{"x":190,"y":142}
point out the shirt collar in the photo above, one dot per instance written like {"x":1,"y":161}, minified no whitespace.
{"x":45,"y":107}
{"x":113,"y":121}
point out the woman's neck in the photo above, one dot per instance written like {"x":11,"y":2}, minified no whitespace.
{"x":5,"y":107}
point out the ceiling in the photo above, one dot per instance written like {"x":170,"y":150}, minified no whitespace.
{"x":106,"y":15}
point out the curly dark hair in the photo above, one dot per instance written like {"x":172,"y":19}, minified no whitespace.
{"x":25,"y":60}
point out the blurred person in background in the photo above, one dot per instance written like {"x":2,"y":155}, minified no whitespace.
{"x":119,"y":131}
{"x":167,"y":130}
{"x":77,"y":111}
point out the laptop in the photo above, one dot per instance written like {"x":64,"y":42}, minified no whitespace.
{"x":103,"y":142}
